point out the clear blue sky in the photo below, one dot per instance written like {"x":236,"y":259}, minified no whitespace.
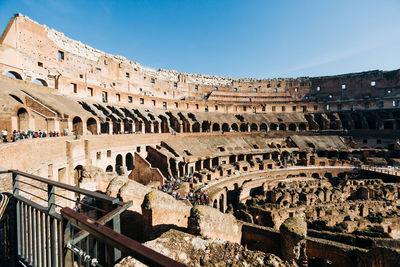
{"x":261,"y":39}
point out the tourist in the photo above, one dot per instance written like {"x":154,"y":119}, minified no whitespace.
{"x":4,"y":134}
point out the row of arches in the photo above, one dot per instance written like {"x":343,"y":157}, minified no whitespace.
{"x":16,"y":75}
{"x":246,"y":127}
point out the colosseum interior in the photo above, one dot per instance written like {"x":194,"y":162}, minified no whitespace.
{"x":107,"y":160}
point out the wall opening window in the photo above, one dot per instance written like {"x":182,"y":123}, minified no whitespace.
{"x":98,"y":69}
{"x":206,"y":108}
{"x":315,"y":107}
{"x":344,"y":86}
{"x":294,"y":108}
{"x":216,"y":107}
{"x":380,"y":104}
{"x":90,"y":90}
{"x":175,"y":84}
{"x":104,"y":97}
{"x":176,"y":104}
{"x":235,"y":90}
{"x":127,"y":75}
{"x":296,"y":89}
{"x":60,"y":55}
{"x":152,"y":80}
{"x":318,"y":88}
{"x":154,"y":102}
{"x":395,"y":103}
{"x":389,"y":91}
{"x":40,"y":64}
{"x":244,"y":108}
{"x":327,"y":107}
{"x":118,"y":97}
{"x":196,"y":87}
{"x":273,"y":108}
{"x":129,"y":99}
{"x":373,"y":83}
{"x":164,"y":105}
{"x":255,"y":90}
{"x":141,"y":101}
{"x":197,"y":106}
{"x":330,"y":96}
{"x":283,"y":108}
{"x":275,"y":90}
{"x":74,"y":87}
{"x":215,"y":88}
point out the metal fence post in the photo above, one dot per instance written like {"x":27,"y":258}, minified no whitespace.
{"x":66,"y":253}
{"x":117,"y":228}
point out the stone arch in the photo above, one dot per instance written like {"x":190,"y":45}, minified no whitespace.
{"x":196,"y":127}
{"x":292,"y":127}
{"x":215,"y":204}
{"x":109,"y":168}
{"x":221,"y":203}
{"x":234,"y":127}
{"x":40,"y":82}
{"x":205,"y":126}
{"x":91,"y":125}
{"x":302,"y":127}
{"x":315,"y":175}
{"x":215,"y":127}
{"x":127,"y":126}
{"x":253,"y":127}
{"x":243,"y":127}
{"x":118,"y":161}
{"x":23,"y":119}
{"x":129,"y":161}
{"x":273,"y":127}
{"x":263,"y":127}
{"x":105,"y":127}
{"x":14,"y":74}
{"x":225,"y":127}
{"x":77,"y":126}
{"x":78,"y":170}
{"x":282,"y":127}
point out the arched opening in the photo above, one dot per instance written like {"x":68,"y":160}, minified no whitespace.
{"x":292,"y":127}
{"x":78,"y":170}
{"x":225,"y":127}
{"x":118,"y":161}
{"x":77,"y":125}
{"x":243,"y":127}
{"x":282,"y":127}
{"x":156,"y":127}
{"x":205,"y":126}
{"x":221,"y":203}
{"x":116,"y":127}
{"x":215,"y":127}
{"x":234,"y":127}
{"x":302,"y":127}
{"x":129,"y":161}
{"x":105,"y":127}
{"x":196,"y":127}
{"x":215,"y":204}
{"x":40,"y":82}
{"x":315,"y":175}
{"x":14,"y":75}
{"x":263,"y":127}
{"x":273,"y":127}
{"x":23,"y":119}
{"x":127,"y":126}
{"x":253,"y":127}
{"x":17,"y":98}
{"x":91,"y":125}
{"x":109,"y":168}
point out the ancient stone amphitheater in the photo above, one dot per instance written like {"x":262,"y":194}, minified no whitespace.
{"x":105,"y":159}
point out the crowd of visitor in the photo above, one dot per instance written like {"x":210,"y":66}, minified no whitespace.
{"x":172,"y":187}
{"x":29,"y":134}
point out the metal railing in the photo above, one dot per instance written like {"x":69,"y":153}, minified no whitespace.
{"x":49,"y":233}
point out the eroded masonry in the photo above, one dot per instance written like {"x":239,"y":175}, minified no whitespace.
{"x":277,"y":172}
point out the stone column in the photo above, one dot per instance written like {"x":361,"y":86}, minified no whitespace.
{"x":110,"y":127}
{"x":293,"y":241}
{"x":152,"y":127}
